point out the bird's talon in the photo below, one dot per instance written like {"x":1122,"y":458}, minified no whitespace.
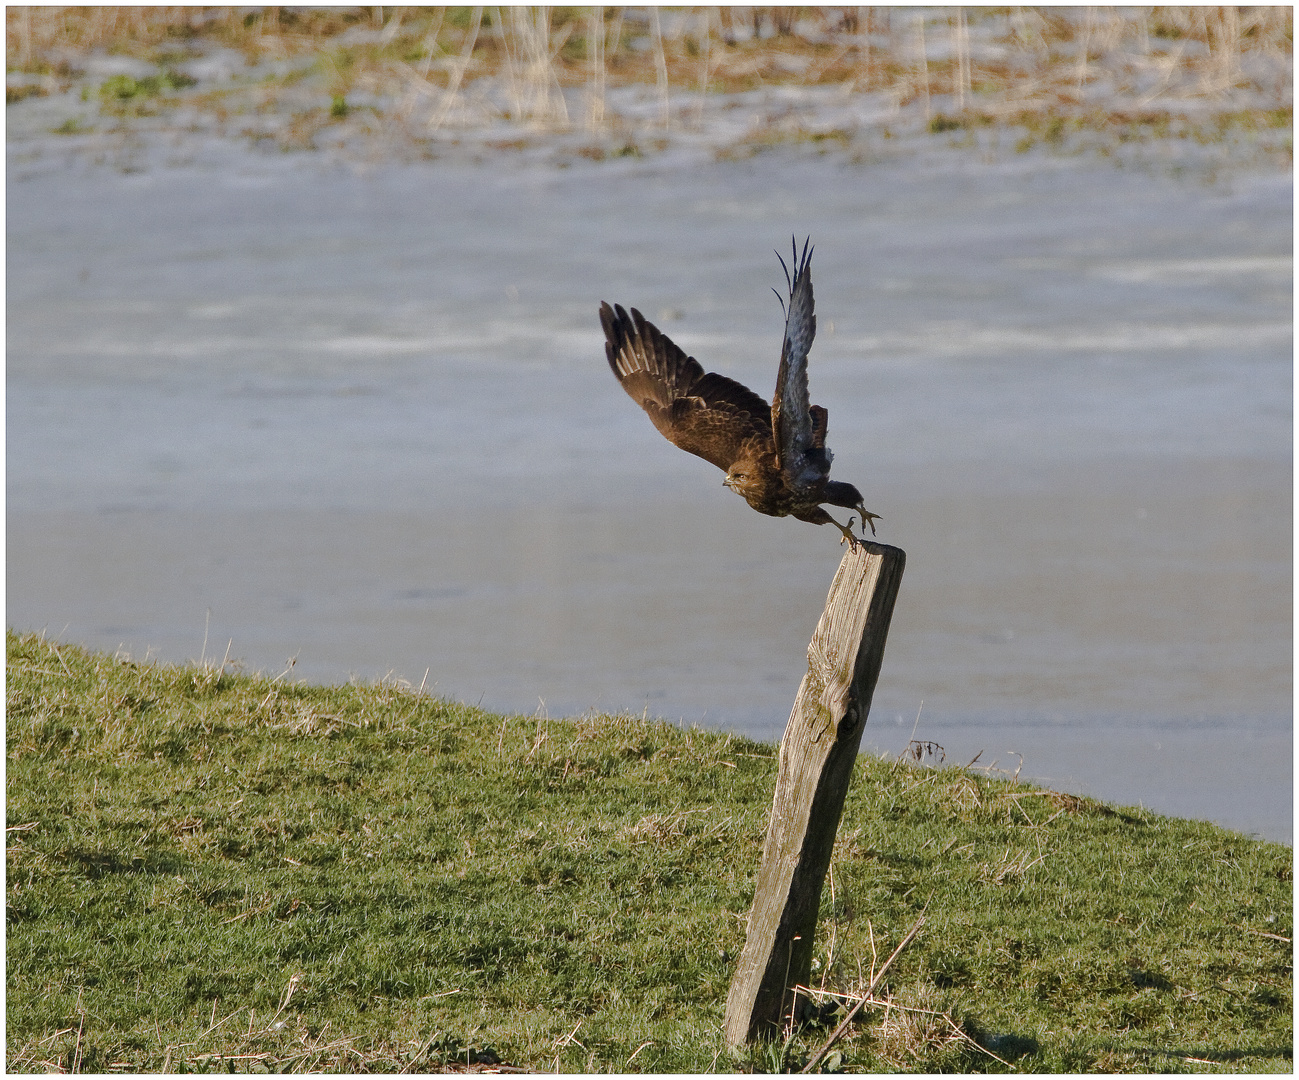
{"x":848,"y":534}
{"x":867,"y":518}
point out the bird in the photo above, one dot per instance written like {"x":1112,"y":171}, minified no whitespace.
{"x":774,"y":455}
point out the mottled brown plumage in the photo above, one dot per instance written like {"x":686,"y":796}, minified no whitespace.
{"x":774,"y":455}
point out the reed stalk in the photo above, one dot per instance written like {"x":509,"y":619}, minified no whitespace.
{"x":661,"y":70}
{"x":595,"y":86}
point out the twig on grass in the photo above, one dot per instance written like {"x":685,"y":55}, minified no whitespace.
{"x":81,"y":1030}
{"x":245,"y":914}
{"x":67,"y":670}
{"x":294,"y":980}
{"x":870,"y":990}
{"x":834,"y":927}
{"x":440,"y":994}
{"x":569,"y":1039}
{"x":235,"y":1057}
{"x":1264,"y":933}
{"x":217,"y":1023}
{"x":638,"y":1049}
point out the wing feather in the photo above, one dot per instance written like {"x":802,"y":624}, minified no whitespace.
{"x":703,"y":413}
{"x":797,"y":427}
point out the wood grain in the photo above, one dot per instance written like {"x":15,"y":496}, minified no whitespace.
{"x":817,"y":754}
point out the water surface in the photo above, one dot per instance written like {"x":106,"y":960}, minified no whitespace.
{"x":362,"y":420}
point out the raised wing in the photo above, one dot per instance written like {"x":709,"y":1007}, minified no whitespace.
{"x":797,"y":426}
{"x":702,"y":412}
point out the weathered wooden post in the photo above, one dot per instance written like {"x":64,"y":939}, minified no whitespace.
{"x":817,"y":755}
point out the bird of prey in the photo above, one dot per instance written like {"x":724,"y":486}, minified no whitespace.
{"x":773,"y":455}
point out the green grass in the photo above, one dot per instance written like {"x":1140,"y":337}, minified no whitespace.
{"x":208,"y":870}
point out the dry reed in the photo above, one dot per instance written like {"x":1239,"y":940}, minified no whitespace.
{"x":434,"y":66}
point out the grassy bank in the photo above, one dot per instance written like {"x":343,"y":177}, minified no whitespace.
{"x":208,"y":870}
{"x":395,"y":80}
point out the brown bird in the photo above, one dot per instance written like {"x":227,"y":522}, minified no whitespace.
{"x":774,"y":455}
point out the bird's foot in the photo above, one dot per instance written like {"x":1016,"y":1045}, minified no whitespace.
{"x":848,"y":534}
{"x":867,"y":518}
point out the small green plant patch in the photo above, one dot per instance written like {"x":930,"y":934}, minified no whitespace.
{"x":73,"y":125}
{"x":126,"y":87}
{"x":214,"y":871}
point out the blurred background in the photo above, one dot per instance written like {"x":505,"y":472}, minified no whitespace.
{"x":305,"y":371}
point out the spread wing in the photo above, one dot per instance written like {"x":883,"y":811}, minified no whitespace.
{"x":702,"y":412}
{"x":797,"y":426}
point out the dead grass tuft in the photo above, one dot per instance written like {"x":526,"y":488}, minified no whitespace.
{"x":1010,"y":868}
{"x":916,"y":1035}
{"x":963,"y":794}
{"x":659,"y":828}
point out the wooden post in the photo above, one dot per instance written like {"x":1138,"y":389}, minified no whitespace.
{"x":817,"y":755}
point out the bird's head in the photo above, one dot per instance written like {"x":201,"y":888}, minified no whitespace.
{"x":740,"y":476}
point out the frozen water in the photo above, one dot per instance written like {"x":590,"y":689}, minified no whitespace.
{"x":362,"y":418}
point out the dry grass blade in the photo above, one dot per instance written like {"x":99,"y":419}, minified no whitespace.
{"x":660,"y":69}
{"x":638,"y":1049}
{"x":458,"y":73}
{"x":595,"y":87}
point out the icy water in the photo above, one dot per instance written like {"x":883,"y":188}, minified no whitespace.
{"x":362,"y":418}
